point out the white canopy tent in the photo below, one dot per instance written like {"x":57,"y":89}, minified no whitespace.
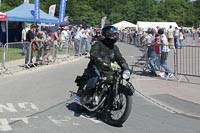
{"x":145,"y":25}
{"x":124,"y":24}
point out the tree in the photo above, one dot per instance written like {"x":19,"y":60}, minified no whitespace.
{"x":183,"y":12}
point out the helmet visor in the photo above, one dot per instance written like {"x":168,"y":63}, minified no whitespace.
{"x":114,"y":35}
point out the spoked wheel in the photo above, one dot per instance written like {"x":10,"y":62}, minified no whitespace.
{"x":120,"y":109}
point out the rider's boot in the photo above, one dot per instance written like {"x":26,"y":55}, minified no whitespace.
{"x":86,"y":96}
{"x":79,"y":92}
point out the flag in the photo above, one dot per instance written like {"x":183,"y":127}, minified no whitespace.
{"x":52,"y":9}
{"x":103,"y":21}
{"x":26,"y":1}
{"x":62,"y":11}
{"x":37,"y":10}
{"x":66,"y":20}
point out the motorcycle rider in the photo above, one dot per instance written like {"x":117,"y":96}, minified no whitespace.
{"x":102,"y":54}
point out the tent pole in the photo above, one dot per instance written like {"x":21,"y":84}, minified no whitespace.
{"x":6,"y":31}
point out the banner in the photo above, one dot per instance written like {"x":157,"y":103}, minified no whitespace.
{"x":26,"y":1}
{"x":3,"y":17}
{"x":62,"y":11}
{"x":37,"y":10}
{"x":103,"y":21}
{"x":52,"y":9}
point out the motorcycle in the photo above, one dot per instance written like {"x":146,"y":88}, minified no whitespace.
{"x":112,"y":97}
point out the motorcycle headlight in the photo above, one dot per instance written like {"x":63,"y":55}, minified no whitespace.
{"x":126,"y":74}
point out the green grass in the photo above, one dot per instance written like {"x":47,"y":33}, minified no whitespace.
{"x":13,"y":54}
{"x":16,"y":53}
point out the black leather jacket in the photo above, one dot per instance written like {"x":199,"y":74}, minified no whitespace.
{"x":103,"y":52}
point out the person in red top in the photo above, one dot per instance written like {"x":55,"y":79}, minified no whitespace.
{"x":157,"y":51}
{"x":155,"y":54}
{"x":157,"y":44}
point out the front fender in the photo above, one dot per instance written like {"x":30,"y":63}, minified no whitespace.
{"x":127,"y":89}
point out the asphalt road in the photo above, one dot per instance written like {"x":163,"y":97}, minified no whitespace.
{"x":37,"y":101}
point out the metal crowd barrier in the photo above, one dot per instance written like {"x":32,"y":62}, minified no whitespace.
{"x":16,"y":55}
{"x":62,"y":52}
{"x":188,"y":61}
{"x":12,"y":55}
{"x":193,"y":41}
{"x":183,"y":61}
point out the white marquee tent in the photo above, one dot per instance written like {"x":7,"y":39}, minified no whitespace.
{"x":145,"y":25}
{"x":124,"y":24}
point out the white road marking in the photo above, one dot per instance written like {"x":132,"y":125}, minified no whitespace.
{"x":25,"y":104}
{"x":4,"y":125}
{"x":59,"y":122}
{"x":10,"y":107}
{"x":75,"y":124}
{"x":92,"y":119}
{"x":25,"y":119}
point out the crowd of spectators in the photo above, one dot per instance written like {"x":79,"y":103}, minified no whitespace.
{"x":157,"y":43}
{"x":43,"y":39}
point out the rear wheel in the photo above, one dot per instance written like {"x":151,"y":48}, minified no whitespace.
{"x":120,"y":109}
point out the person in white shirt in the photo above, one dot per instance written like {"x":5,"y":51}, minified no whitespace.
{"x":176,"y":34}
{"x":181,"y":38}
{"x":164,"y":54}
{"x":23,"y":39}
{"x":63,"y":38}
{"x":170,"y":36}
{"x":77,"y":43}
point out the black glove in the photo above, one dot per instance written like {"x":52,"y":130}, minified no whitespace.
{"x":106,"y":67}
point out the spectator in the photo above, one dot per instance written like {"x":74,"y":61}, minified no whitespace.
{"x":56,"y":40}
{"x":40,"y":44}
{"x":148,"y":50}
{"x":176,"y":37}
{"x":47,"y":41}
{"x":157,"y":51}
{"x":193,"y":32}
{"x":139,"y":36}
{"x":181,"y":38}
{"x":199,"y":33}
{"x":134,"y":36}
{"x":63,"y":38}
{"x":23,"y":39}
{"x":84,"y":37}
{"x":155,"y":55}
{"x":97,"y":35}
{"x":3,"y":32}
{"x":164,"y":55}
{"x":170,"y":36}
{"x":77,"y":43}
{"x":148,"y":41}
{"x":30,"y":38}
{"x":89,"y":39}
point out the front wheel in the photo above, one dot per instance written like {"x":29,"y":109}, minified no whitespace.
{"x":120,"y":109}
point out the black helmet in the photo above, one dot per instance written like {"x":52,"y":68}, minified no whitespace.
{"x":111,"y":33}
{"x":160,"y":31}
{"x":150,"y":31}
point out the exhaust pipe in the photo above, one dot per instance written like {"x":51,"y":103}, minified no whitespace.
{"x":77,"y":100}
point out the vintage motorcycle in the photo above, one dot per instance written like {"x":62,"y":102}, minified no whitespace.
{"x":112,"y":97}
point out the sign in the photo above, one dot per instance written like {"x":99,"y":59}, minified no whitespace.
{"x":3,"y":17}
{"x":62,"y":11}
{"x":37,"y":10}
